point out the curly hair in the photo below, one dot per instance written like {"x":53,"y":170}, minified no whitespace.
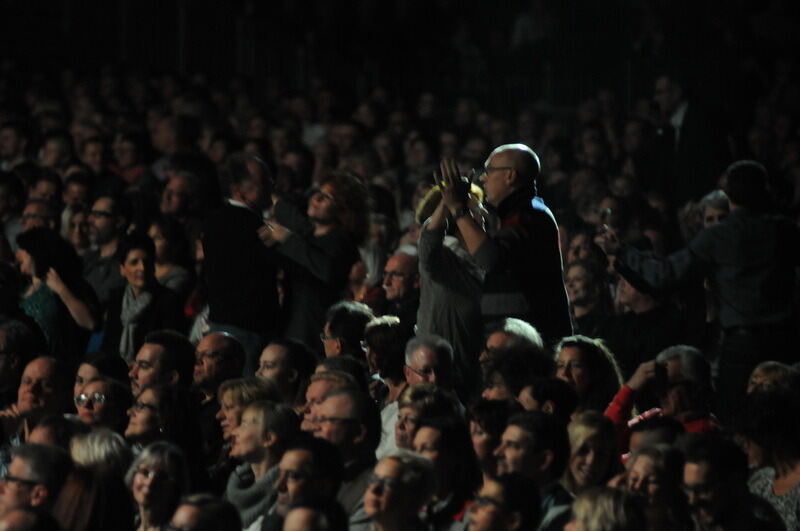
{"x":352,"y":205}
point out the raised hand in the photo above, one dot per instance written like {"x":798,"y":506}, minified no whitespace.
{"x":455,"y":188}
{"x":273,"y":232}
{"x":607,"y":240}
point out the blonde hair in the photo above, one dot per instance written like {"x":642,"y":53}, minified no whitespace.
{"x":103,"y":450}
{"x":246,"y":390}
{"x":607,"y":509}
{"x":416,"y":474}
{"x":432,"y":199}
{"x":586,"y":426}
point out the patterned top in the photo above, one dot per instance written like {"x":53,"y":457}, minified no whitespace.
{"x":787,"y":505}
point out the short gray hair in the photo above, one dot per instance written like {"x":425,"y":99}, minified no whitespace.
{"x":168,"y":456}
{"x":694,"y":365}
{"x":521,"y":333}
{"x":101,"y":449}
{"x":436,"y":343}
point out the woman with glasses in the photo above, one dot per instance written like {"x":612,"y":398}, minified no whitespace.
{"x":157,"y":479}
{"x":103,"y":403}
{"x":96,"y":365}
{"x":165,"y":413}
{"x":318,"y":250}
{"x":400,"y":485}
{"x":259,"y":441}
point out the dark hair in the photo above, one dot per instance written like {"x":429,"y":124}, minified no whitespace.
{"x":548,"y":433}
{"x":177,"y":242}
{"x":332,"y":516}
{"x":216,"y":514}
{"x":492,"y":415}
{"x":20,"y":341}
{"x":15,"y":190}
{"x":768,"y":420}
{"x":178,"y":415}
{"x":662,"y":429}
{"x":512,"y":366}
{"x":326,"y":461}
{"x":747,"y":184}
{"x":298,"y":357}
{"x":48,"y":465}
{"x":455,"y":445}
{"x":726,"y":461}
{"x":350,"y":197}
{"x":49,"y":250}
{"x":601,"y":364}
{"x":136,"y":240}
{"x":233,"y":356}
{"x":91,"y":500}
{"x":346,"y":321}
{"x":521,"y":495}
{"x":63,"y":429}
{"x":387,"y":338}
{"x":112,"y":366}
{"x":350,"y":366}
{"x":367,"y":413}
{"x":178,"y":353}
{"x":120,"y":398}
{"x":235,"y":172}
{"x":559,"y":392}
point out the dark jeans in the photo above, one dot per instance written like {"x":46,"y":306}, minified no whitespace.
{"x":741,"y":350}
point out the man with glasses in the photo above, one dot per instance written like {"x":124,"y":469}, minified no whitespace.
{"x":344,"y":327}
{"x":401,"y":286}
{"x":34,"y":478}
{"x":429,"y":359}
{"x":522,"y":260}
{"x":350,"y":421}
{"x":100,"y":267}
{"x":38,"y":213}
{"x":218,"y":357}
{"x":507,"y":503}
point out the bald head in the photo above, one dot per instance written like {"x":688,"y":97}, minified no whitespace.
{"x":509,"y":168}
{"x":400,"y":276}
{"x":522,"y":158}
{"x":219,"y":356}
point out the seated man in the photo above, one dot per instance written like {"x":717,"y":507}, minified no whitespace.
{"x":344,"y":329}
{"x":507,"y":503}
{"x":165,"y":357}
{"x":510,"y":333}
{"x":310,"y":471}
{"x":536,"y":445}
{"x":204,"y":512}
{"x":43,"y":390}
{"x":551,"y":395}
{"x":350,"y":421}
{"x":34,"y":478}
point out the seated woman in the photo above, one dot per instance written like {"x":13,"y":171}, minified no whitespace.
{"x":593,"y":456}
{"x":57,"y":298}
{"x":259,"y":442}
{"x":446,"y":442}
{"x":607,"y":509}
{"x":103,"y":403}
{"x":487,"y":421}
{"x":656,"y":474}
{"x":769,"y":421}
{"x":589,"y":297}
{"x":99,"y":364}
{"x":589,"y":368}
{"x":416,"y":402}
{"x":173,"y":266}
{"x":318,"y":251}
{"x":143,"y":305}
{"x":157,"y":479}
{"x":401,"y":483}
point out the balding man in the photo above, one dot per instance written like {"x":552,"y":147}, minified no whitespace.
{"x":401,"y":285}
{"x":522,"y":260}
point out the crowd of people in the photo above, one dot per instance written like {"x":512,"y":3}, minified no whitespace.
{"x":218,"y":314}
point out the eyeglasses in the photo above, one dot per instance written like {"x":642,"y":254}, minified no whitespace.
{"x":14,"y":479}
{"x":140,"y":406}
{"x":424,"y":373}
{"x":489,"y":169}
{"x":325,"y":337}
{"x":83,"y":399}
{"x":393,"y":274}
{"x":383,"y":483}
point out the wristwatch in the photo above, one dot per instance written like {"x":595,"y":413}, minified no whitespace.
{"x":460,"y":212}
